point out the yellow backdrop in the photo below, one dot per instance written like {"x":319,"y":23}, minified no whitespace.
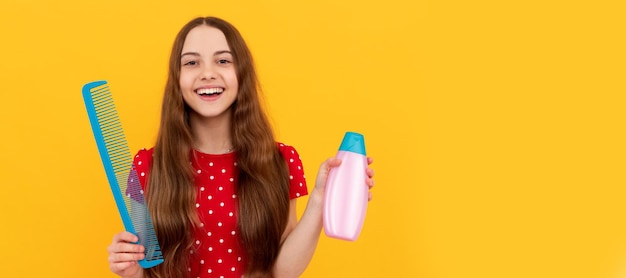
{"x":497,"y":126}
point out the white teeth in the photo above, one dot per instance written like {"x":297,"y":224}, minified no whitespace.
{"x":209,"y":91}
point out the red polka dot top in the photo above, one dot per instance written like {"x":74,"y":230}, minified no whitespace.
{"x":218,"y":247}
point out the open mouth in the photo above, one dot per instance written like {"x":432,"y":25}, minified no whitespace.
{"x":210,"y":91}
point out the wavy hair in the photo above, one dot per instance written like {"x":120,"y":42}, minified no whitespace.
{"x":263,"y":187}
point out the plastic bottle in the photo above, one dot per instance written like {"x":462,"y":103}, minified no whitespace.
{"x":345,"y":199}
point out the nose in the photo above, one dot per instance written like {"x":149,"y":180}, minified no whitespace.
{"x":208,"y":73}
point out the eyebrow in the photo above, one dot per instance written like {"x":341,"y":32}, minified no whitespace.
{"x":198,"y":54}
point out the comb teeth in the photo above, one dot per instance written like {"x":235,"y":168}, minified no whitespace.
{"x":141,"y":219}
{"x":117,"y":161}
{"x":112,"y":131}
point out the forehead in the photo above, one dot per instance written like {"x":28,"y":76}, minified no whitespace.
{"x":205,"y":38}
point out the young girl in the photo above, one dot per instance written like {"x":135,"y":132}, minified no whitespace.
{"x":220,"y":189}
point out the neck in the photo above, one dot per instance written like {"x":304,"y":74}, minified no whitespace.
{"x":211,"y":135}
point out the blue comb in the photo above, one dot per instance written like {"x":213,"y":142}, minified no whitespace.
{"x":118,"y":165}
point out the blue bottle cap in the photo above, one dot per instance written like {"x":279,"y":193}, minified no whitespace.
{"x":353,"y":142}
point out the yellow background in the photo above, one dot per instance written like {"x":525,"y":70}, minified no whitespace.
{"x":497,"y":126}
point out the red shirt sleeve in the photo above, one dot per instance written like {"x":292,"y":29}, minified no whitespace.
{"x":138,"y":175}
{"x":297,"y":179}
{"x":141,"y":164}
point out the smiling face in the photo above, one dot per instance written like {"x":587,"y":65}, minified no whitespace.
{"x":208,"y":78}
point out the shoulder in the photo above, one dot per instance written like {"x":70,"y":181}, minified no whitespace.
{"x":142,"y":162}
{"x":143,"y":156}
{"x":285,"y":149}
{"x":288,"y":152}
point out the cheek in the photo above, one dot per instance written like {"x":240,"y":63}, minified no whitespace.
{"x":232,"y":81}
{"x":185,"y":81}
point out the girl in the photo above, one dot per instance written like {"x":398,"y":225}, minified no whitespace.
{"x":220,"y":189}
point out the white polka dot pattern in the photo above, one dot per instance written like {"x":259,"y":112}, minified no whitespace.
{"x":219,"y":252}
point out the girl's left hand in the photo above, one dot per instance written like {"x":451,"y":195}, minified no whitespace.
{"x":322,"y":174}
{"x":370,"y":176}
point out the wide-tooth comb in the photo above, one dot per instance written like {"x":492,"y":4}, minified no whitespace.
{"x":118,"y":165}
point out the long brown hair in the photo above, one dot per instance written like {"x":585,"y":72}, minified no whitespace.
{"x":263,"y":188}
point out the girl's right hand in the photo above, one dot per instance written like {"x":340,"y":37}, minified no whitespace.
{"x":124,"y":254}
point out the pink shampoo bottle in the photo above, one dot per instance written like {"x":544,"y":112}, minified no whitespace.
{"x":345,"y":199}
